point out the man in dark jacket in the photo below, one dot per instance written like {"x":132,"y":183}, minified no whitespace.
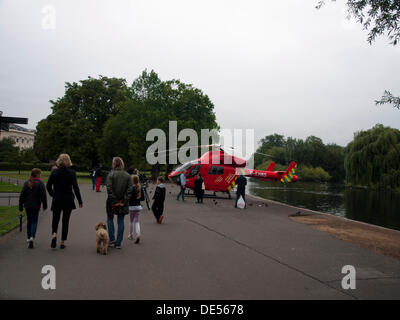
{"x":241,"y":183}
{"x":159,"y":198}
{"x":198,"y":188}
{"x":119,"y":190}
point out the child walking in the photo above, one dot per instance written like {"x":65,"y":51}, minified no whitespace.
{"x":33,"y":194}
{"x":135,"y":208}
{"x":159,"y":197}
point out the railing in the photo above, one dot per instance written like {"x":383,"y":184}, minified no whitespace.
{"x":20,"y":217}
{"x":12,"y":196}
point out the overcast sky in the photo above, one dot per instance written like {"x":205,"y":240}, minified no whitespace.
{"x":272,"y":66}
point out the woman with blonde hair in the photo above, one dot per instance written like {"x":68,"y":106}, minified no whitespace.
{"x":135,"y":208}
{"x":61,"y":182}
{"x":119,"y":189}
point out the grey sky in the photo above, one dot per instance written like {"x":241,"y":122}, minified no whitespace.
{"x":274,"y":66}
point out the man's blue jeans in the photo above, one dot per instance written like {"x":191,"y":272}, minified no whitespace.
{"x":182,"y":192}
{"x":121,"y":227}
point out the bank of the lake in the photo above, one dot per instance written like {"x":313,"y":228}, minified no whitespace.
{"x":378,"y":207}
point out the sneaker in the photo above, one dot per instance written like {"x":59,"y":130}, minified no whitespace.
{"x":130,"y":237}
{"x":112,"y":244}
{"x":54,"y":242}
{"x":30,"y":244}
{"x":161,"y":219}
{"x":137,"y":240}
{"x":62,"y":246}
{"x":117,"y":247}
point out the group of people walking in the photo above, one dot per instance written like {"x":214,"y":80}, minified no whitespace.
{"x":124,"y":194}
{"x":62,"y":186}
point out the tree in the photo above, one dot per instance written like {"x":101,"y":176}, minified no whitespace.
{"x":152,"y":104}
{"x":8,"y":152}
{"x":273,"y":140}
{"x":379,"y":17}
{"x":373,"y":158}
{"x":78,"y":118}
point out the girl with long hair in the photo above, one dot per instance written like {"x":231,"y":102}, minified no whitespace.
{"x":135,"y":208}
{"x":32,"y":196}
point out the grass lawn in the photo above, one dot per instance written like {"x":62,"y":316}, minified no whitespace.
{"x":83,"y":177}
{"x":9,"y":187}
{"x":9,"y":214}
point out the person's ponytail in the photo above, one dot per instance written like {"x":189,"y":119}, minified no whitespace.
{"x":34,"y":174}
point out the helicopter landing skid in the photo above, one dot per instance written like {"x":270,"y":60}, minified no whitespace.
{"x":210,"y":196}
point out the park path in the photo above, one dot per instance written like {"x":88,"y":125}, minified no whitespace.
{"x":201,"y":251}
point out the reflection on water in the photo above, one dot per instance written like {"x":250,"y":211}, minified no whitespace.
{"x":372,"y":206}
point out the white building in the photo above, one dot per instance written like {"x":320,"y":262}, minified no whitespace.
{"x":23,"y":138}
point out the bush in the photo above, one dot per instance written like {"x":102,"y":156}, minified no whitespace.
{"x":306,"y":173}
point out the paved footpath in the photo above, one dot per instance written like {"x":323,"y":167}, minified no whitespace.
{"x":201,"y":251}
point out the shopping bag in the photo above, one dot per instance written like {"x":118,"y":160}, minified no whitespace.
{"x":241,"y":204}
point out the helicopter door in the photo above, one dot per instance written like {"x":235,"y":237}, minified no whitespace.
{"x":216,"y":177}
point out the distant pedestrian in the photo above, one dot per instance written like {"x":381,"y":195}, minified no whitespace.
{"x":135,"y":208}
{"x":159,"y":198}
{"x":131,"y":170}
{"x":32,"y":196}
{"x":60,"y":185}
{"x":241,"y":183}
{"x":198,"y":188}
{"x":93,"y":177}
{"x":182,"y":183}
{"x":98,"y":176}
{"x":119,"y":190}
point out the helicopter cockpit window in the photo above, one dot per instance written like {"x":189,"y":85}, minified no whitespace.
{"x":194,"y":172}
{"x":185,"y":166}
{"x":216,"y":170}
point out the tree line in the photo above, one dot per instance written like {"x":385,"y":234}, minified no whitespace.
{"x":371,"y":159}
{"x":317,"y":161}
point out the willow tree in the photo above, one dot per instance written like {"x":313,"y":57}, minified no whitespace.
{"x":373,"y":158}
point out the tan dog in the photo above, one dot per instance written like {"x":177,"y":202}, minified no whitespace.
{"x":102,"y":238}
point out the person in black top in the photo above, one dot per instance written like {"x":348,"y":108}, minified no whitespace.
{"x":33,"y":194}
{"x":159,"y":198}
{"x":93,"y":177}
{"x":198,"y":188}
{"x":241,"y":183}
{"x":131,"y":170}
{"x":60,"y":184}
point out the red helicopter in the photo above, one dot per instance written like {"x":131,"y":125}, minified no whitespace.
{"x":220,"y":171}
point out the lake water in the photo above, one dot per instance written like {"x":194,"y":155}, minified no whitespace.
{"x":379,"y":207}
